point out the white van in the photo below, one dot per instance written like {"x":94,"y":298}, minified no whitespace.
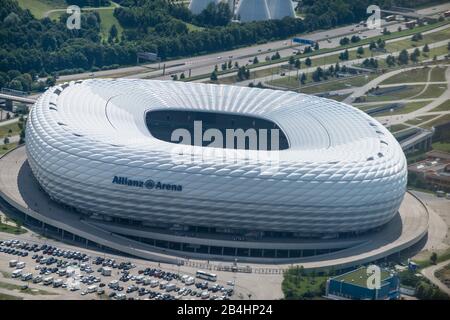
{"x":189,"y":281}
{"x":92,"y":288}
{"x":154,"y":283}
{"x":170,"y":287}
{"x":13,"y":263}
{"x":20,"y":265}
{"x":48,"y":281}
{"x":57,"y":283}
{"x":114,"y":284}
{"x":147,"y":281}
{"x":26,"y":276}
{"x":16,"y":273}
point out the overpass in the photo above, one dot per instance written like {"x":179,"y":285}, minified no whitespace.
{"x":420,"y":140}
{"x":10,"y":98}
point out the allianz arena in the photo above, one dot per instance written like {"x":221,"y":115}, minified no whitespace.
{"x":103,"y":148}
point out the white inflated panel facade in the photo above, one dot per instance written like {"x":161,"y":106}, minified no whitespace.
{"x":343,"y":171}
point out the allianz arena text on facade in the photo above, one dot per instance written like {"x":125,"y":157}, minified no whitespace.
{"x":91,"y":146}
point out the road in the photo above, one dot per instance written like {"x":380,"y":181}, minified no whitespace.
{"x":429,"y":274}
{"x":205,"y":64}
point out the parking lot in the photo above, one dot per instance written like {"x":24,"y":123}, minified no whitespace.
{"x":49,"y":270}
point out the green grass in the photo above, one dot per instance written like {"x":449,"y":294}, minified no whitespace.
{"x":11,"y":229}
{"x":397,"y":127}
{"x":332,"y":84}
{"x":433,"y":91}
{"x":438,"y":74}
{"x":441,"y":256}
{"x":415,"y":75}
{"x":4,"y":148}
{"x":420,"y":119}
{"x":407,"y":108}
{"x":9,"y":297}
{"x":445,"y":106}
{"x":4,"y":130}
{"x":107,"y":20}
{"x":427,"y":38}
{"x":39,"y":7}
{"x":9,"y":286}
{"x":409,"y":91}
{"x":438,"y":121}
{"x":441,"y":146}
{"x":296,"y":286}
{"x":359,"y":277}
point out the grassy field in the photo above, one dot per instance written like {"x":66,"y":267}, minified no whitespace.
{"x":409,"y":91}
{"x":11,"y":229}
{"x":441,"y":120}
{"x":6,"y":147}
{"x":433,"y":91}
{"x":332,"y":85}
{"x":407,"y":108}
{"x":359,"y":277}
{"x":303,"y":286}
{"x":107,"y":20}
{"x":39,"y":7}
{"x":438,"y":74}
{"x":445,"y":106}
{"x":5,"y":130}
{"x":415,"y":75}
{"x":427,"y":39}
{"x":10,"y":286}
{"x":397,"y":127}
{"x":9,"y":297}
{"x":442,"y":255}
{"x":420,"y":119}
{"x":441,"y":146}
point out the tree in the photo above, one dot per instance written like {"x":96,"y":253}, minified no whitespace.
{"x":360,"y":51}
{"x":417,"y":37}
{"x":213,"y":76}
{"x":224,"y":66}
{"x":403,"y":57}
{"x":303,"y":78}
{"x":6,"y":140}
{"x":426,"y":48}
{"x":344,"y":41}
{"x":182,"y":76}
{"x":113,"y":32}
{"x":355,"y":39}
{"x":433,"y":258}
{"x":291,"y":60}
{"x":390,"y":60}
{"x":255,"y":60}
{"x":298,"y":64}
{"x":316,"y":46}
{"x":308,"y":62}
{"x":448,"y":46}
{"x":372,"y":45}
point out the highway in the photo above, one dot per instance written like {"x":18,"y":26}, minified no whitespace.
{"x":205,"y":64}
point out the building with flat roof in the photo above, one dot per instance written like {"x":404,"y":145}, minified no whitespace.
{"x":353,"y":285}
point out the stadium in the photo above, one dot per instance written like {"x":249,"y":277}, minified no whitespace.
{"x":105,"y":149}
